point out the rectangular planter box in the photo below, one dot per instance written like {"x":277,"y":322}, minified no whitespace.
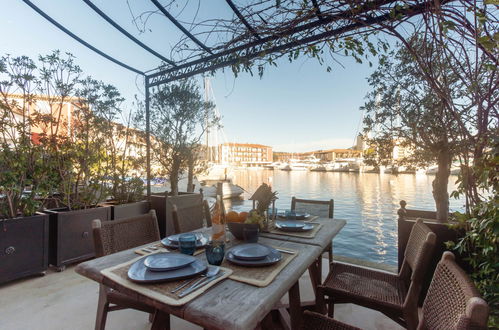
{"x":23,"y":247}
{"x":163,"y":205}
{"x":71,"y":237}
{"x":122,"y":211}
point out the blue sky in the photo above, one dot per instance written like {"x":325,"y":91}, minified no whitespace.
{"x":295,"y":107}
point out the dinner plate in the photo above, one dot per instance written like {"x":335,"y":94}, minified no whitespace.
{"x":250,"y":251}
{"x":172,"y":241}
{"x":138,"y":272}
{"x":293,"y":226}
{"x":296,"y":216}
{"x":272,"y":258}
{"x":160,"y":262}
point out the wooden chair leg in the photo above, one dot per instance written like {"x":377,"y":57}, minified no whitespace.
{"x":330,"y":307}
{"x":320,"y":303}
{"x":330,"y":255}
{"x":295,"y":306}
{"x":161,"y":321}
{"x":102,"y":309}
{"x":411,"y":319}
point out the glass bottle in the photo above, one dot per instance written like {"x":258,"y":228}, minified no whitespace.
{"x":218,"y":222}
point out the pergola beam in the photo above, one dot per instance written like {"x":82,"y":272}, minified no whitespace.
{"x":214,"y":62}
{"x":81,"y":41}
{"x":131,"y":37}
{"x":180,"y":26}
{"x":242,"y":19}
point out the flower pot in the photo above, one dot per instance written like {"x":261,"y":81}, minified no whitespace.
{"x":122,"y":211}
{"x":71,"y":237}
{"x":163,"y":205}
{"x":23,"y":246}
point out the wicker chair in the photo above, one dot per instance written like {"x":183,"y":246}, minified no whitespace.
{"x":114,"y":236}
{"x":395,"y":295}
{"x":323,"y":209}
{"x":189,"y":218}
{"x":452,"y":302}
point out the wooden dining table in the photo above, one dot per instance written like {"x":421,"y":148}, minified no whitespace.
{"x":229,"y":304}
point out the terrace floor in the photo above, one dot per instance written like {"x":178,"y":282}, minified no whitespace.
{"x":67,"y":300}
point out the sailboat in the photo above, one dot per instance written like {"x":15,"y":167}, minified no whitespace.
{"x":216,"y":172}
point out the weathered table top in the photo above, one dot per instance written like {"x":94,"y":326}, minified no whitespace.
{"x":227,"y":305}
{"x":329,"y":229}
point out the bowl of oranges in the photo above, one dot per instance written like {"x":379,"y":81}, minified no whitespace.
{"x":237,"y":222}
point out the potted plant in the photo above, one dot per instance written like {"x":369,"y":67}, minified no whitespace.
{"x":77,"y":145}
{"x":24,"y":177}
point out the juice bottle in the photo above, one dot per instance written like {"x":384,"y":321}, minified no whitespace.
{"x":218,"y":222}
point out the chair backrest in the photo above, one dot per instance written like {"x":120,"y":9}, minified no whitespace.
{"x":118,"y":235}
{"x":453,"y":302}
{"x":417,"y":257}
{"x":324,"y":209}
{"x":190,"y":217}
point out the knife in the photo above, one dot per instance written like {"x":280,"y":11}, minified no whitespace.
{"x":199,"y":285}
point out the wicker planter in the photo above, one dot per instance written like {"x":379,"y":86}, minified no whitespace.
{"x":23,"y":247}
{"x":163,"y":206}
{"x":71,"y":234}
{"x":122,"y":211}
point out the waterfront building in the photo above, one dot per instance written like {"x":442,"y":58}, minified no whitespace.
{"x":244,"y":154}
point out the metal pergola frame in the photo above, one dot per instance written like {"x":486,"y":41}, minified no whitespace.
{"x":210,"y":60}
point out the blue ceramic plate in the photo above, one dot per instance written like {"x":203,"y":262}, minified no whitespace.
{"x":160,"y":262}
{"x":273,"y":257}
{"x":250,"y":251}
{"x":293,"y":225}
{"x":172,"y":241}
{"x":138,"y":272}
{"x":297,"y":216}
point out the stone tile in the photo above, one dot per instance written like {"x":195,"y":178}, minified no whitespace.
{"x":66,"y":300}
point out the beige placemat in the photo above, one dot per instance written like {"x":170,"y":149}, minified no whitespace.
{"x":158,"y":247}
{"x":259,"y":276}
{"x":302,"y":234}
{"x":159,"y":291}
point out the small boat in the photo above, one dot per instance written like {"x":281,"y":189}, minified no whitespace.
{"x":229,"y":190}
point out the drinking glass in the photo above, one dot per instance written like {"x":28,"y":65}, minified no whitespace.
{"x":250,"y":234}
{"x":215,"y":252}
{"x":187,"y":243}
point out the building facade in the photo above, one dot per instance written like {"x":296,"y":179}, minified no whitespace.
{"x":244,"y":154}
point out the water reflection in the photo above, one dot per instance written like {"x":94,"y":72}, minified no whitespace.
{"x":368,"y":201}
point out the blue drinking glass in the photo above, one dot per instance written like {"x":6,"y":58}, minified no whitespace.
{"x":250,"y":234}
{"x":215,"y":252}
{"x":187,"y":243}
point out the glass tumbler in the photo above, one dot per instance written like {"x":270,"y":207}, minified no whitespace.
{"x":215,"y":252}
{"x":187,"y":243}
{"x":250,"y":234}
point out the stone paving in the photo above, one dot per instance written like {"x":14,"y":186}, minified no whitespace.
{"x":66,"y":300}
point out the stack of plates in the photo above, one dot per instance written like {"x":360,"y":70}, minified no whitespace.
{"x":172,"y":241}
{"x":253,"y":255}
{"x":293,"y":225}
{"x":161,"y":267}
{"x":294,"y":216}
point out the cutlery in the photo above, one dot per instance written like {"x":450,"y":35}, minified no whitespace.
{"x":200,"y":285}
{"x":285,"y":251}
{"x":212,"y":271}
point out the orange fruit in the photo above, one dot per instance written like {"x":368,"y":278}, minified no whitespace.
{"x":243,"y":216}
{"x":232,"y":216}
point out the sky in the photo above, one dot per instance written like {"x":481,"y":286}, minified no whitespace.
{"x":295,"y":106}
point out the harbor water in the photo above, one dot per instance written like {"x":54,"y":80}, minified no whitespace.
{"x":367,"y":201}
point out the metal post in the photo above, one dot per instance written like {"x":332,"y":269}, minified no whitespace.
{"x":148,"y":139}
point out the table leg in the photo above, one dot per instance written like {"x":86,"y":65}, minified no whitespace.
{"x":161,"y":321}
{"x":314,"y":270}
{"x":295,"y":306}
